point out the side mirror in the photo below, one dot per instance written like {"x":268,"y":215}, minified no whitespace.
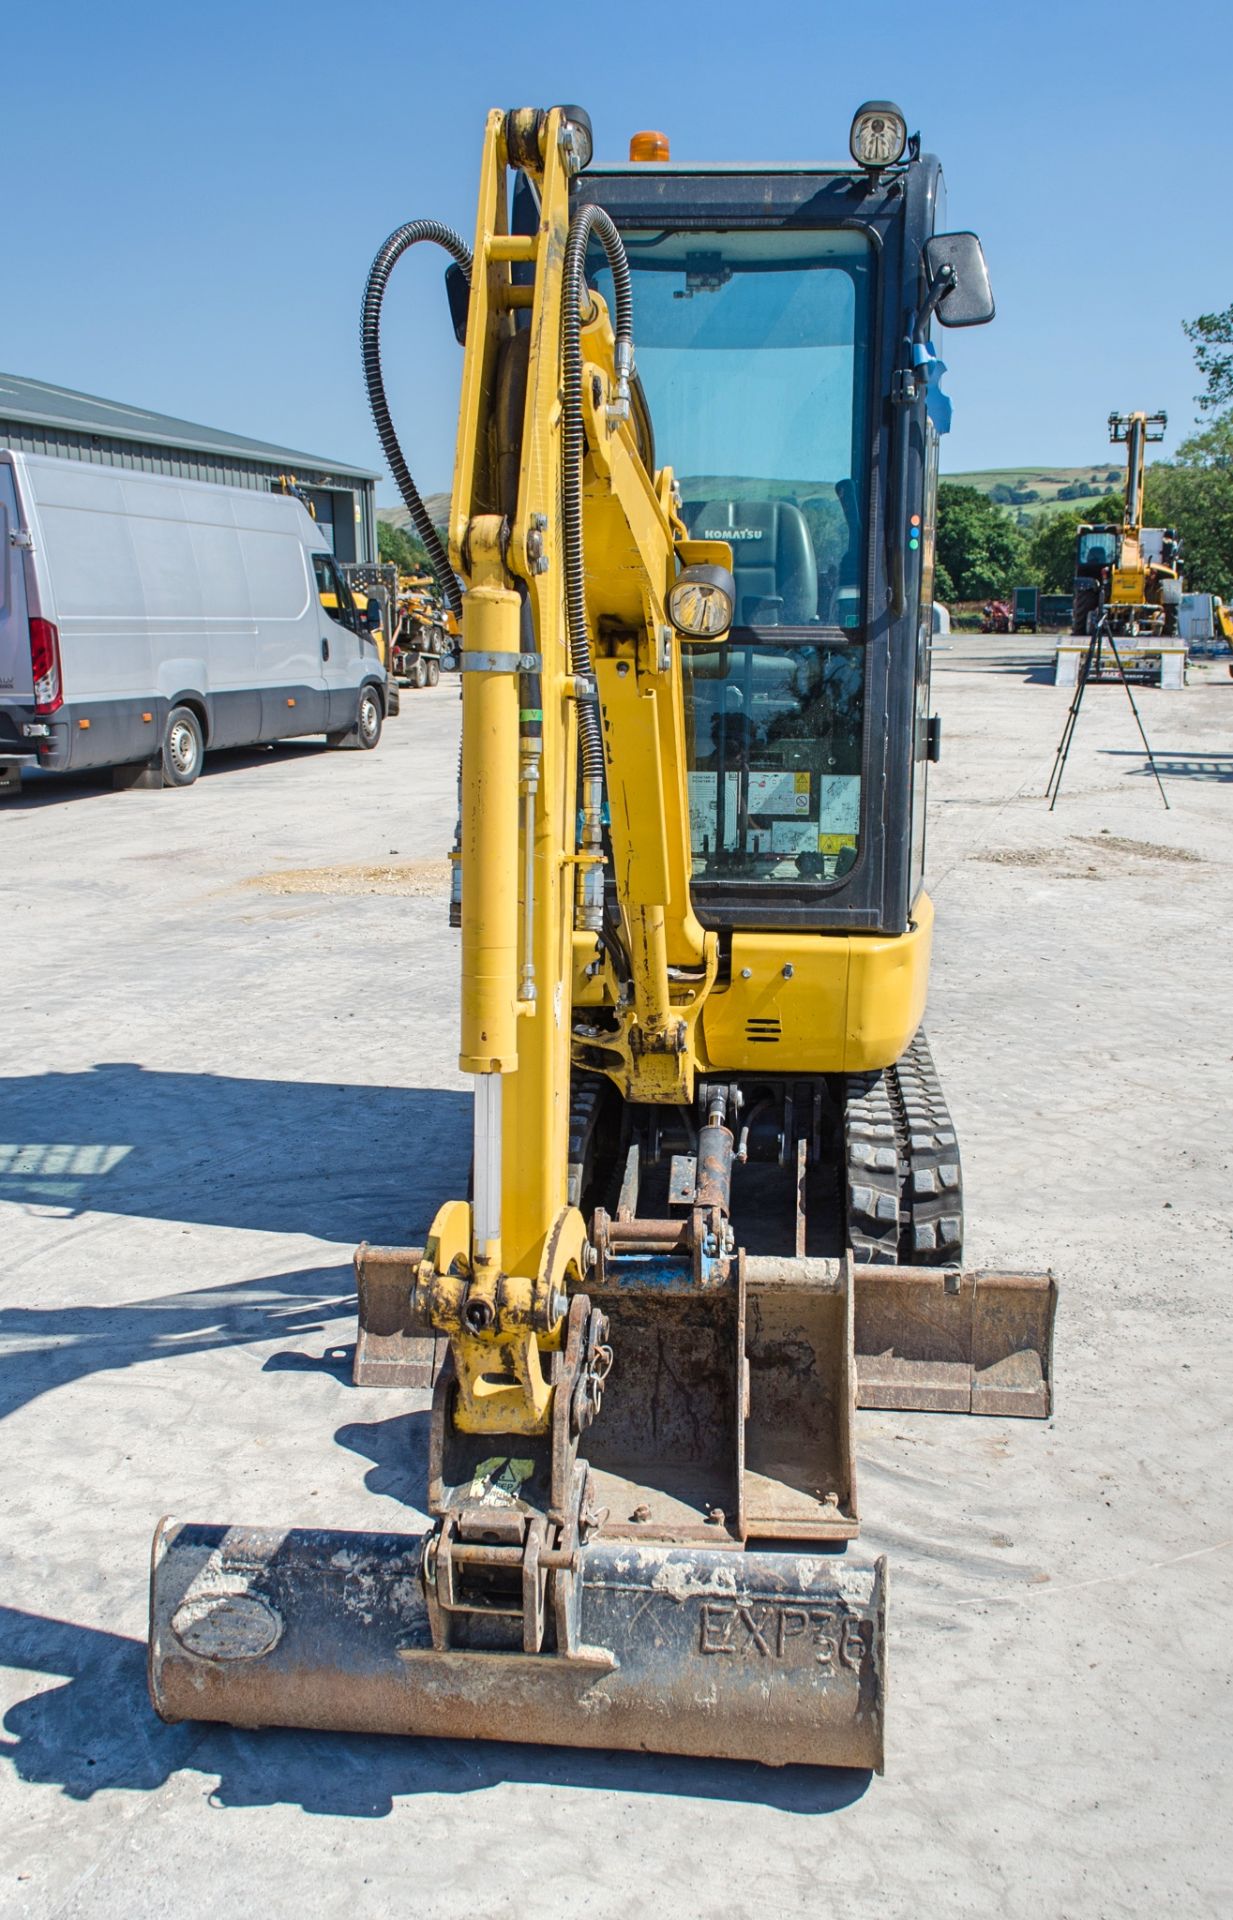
{"x":959,"y":280}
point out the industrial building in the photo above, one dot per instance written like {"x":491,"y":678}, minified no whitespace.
{"x":36,"y":417}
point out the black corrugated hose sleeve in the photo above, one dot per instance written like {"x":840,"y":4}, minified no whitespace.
{"x":370,"y":346}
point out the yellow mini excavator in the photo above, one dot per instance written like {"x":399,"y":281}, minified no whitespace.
{"x":715,"y":1192}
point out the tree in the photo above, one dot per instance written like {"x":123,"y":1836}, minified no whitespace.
{"x":1211,"y":335}
{"x":980,"y":550}
{"x":1051,"y":550}
{"x":403,"y":547}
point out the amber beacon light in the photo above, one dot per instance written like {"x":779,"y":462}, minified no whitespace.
{"x":649,"y":146}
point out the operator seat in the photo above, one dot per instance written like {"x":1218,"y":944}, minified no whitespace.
{"x":773,"y":559}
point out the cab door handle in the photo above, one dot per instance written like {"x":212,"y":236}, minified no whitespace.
{"x":325,"y":649}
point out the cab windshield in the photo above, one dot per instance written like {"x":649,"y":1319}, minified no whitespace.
{"x":1098,"y":548}
{"x":753,"y":351}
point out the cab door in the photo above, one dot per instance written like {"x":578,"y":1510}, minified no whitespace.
{"x":922,"y":733}
{"x":342,"y":646}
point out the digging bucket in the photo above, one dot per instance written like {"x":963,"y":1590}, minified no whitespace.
{"x":769,"y":1656}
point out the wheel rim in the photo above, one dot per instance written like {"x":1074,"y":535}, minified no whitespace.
{"x":369,"y":719}
{"x":182,"y":747}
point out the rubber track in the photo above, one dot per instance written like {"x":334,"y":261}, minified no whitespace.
{"x":872,"y":1166}
{"x":585,"y":1093}
{"x":931,"y":1210}
{"x":904,"y":1185}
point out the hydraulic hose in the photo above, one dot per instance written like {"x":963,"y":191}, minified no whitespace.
{"x":588,"y":220}
{"x":370,"y":346}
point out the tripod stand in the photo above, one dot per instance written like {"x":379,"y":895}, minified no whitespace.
{"x":1101,"y":631}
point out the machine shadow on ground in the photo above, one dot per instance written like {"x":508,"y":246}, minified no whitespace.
{"x":342,"y":1163}
{"x":1177,"y":766}
{"x":398,"y":1449}
{"x":51,"y":789}
{"x":1034,"y":669}
{"x":54,"y":1347}
{"x":97,"y":1732}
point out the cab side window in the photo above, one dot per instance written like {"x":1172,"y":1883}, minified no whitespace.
{"x":334,"y":593}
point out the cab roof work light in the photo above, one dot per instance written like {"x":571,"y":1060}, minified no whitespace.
{"x":879,"y":135}
{"x":649,"y":145}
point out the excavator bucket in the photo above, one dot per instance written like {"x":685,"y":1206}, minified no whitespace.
{"x":705,"y":1610}
{"x":926,"y":1339}
{"x":936,"y":1340}
{"x":777,"y":1657}
{"x":389,"y":1350}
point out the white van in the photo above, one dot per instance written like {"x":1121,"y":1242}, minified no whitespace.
{"x":144,"y":621}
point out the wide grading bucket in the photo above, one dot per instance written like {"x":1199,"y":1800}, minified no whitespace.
{"x":771,"y":1656}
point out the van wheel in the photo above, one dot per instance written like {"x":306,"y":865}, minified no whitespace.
{"x":368,"y":718}
{"x":183,"y":747}
{"x":366,"y":732}
{"x":434,"y":672}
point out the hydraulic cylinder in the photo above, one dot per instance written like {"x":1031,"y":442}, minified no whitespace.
{"x":490,"y":864}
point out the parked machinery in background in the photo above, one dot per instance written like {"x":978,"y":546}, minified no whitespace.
{"x":1034,"y":610}
{"x":419,"y":629}
{"x":1133,"y":569}
{"x":1130,"y":574}
{"x":425,"y":633}
{"x":1026,"y":615}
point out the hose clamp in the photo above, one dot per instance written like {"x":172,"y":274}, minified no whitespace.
{"x":475,"y":662}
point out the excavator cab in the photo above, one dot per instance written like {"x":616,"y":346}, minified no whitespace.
{"x":775,"y":315}
{"x":715,"y":1198}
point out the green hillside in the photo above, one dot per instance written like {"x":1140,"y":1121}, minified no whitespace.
{"x":438,"y":505}
{"x":1014,"y":487}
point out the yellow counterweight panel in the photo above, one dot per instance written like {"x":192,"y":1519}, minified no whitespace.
{"x":819,"y":1002}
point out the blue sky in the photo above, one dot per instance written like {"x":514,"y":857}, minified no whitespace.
{"x":194,"y":195}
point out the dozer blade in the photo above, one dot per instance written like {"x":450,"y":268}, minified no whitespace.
{"x":934,"y":1340}
{"x":775,"y":1657}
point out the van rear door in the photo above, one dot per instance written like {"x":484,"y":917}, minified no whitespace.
{"x":16,"y":673}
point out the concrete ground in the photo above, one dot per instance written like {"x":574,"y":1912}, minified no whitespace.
{"x":229,"y":1044}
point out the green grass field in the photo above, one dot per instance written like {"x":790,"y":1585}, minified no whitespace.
{"x":1047,"y":483}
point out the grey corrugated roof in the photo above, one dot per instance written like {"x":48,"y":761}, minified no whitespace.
{"x":38,"y":402}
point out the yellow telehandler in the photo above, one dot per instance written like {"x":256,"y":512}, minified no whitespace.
{"x":716,"y":1194}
